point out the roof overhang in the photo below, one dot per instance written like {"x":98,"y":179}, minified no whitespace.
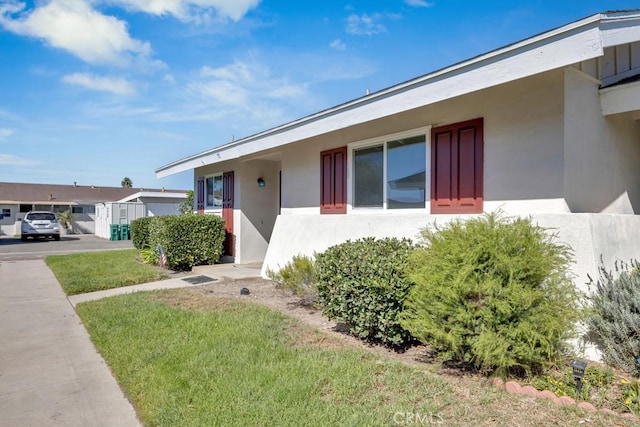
{"x":621,"y":98}
{"x":154,"y":194}
{"x":579,"y":41}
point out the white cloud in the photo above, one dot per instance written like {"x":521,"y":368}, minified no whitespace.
{"x":4,"y":133}
{"x":11,"y":160}
{"x":72,"y":25}
{"x":192,"y":10}
{"x":419,"y":3}
{"x":337,"y":44}
{"x":238,"y":72}
{"x":365,"y":25}
{"x":116,"y":85}
{"x":246,"y":89}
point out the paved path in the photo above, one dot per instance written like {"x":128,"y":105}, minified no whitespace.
{"x":50,"y":372}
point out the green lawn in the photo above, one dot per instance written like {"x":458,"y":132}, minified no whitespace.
{"x":95,"y":271}
{"x":186,"y":359}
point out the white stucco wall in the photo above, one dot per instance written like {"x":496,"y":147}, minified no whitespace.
{"x":523,"y":146}
{"x":259,"y":209}
{"x":591,"y":236}
{"x":162,"y":207}
{"x":255,"y":208}
{"x":602,"y":154}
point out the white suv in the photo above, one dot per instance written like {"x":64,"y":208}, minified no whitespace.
{"x":40,"y":224}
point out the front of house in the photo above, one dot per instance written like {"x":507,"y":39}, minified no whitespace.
{"x":547,"y":127}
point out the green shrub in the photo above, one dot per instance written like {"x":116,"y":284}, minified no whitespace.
{"x":188,"y":240}
{"x":615,"y":318}
{"x":362,"y":284}
{"x":299,"y":276}
{"x":492,"y":293}
{"x":139,"y":229}
{"x":597,"y":384}
{"x":149,"y":256}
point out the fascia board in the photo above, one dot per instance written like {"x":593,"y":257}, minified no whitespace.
{"x":620,"y":99}
{"x":620,"y":28}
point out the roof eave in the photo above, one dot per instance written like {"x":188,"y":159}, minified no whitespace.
{"x":566,"y":38}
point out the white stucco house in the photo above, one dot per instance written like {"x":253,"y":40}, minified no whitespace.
{"x":546,"y":127}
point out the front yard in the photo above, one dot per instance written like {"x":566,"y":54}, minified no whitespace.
{"x":205,"y":356}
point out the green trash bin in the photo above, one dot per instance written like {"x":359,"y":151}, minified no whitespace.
{"x":124,"y":232}
{"x":115,"y":232}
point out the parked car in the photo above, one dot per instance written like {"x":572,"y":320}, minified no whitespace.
{"x":40,"y":224}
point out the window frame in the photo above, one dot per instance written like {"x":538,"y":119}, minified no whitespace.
{"x":384,"y":140}
{"x":207,"y":206}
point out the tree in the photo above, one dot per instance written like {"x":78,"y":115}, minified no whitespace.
{"x":186,"y":207}
{"x":126,"y":182}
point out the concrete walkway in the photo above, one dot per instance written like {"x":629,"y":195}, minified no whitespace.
{"x":50,"y":372}
{"x":220,"y":273}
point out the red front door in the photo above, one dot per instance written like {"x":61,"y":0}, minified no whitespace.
{"x":227,"y":212}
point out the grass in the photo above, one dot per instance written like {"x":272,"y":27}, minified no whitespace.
{"x":96,"y":271}
{"x":187,"y":359}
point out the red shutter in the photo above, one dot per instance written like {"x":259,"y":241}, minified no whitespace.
{"x":457,"y":168}
{"x":200,"y":194}
{"x":227,"y":212}
{"x":333,"y":181}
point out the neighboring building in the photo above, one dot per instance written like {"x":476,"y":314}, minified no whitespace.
{"x":16,"y":199}
{"x":546,"y":127}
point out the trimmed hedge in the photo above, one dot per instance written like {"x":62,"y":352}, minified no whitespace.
{"x":187,"y":240}
{"x":362,"y":284}
{"x":139,"y":229}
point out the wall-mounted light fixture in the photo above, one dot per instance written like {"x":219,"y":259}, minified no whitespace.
{"x":260,"y":182}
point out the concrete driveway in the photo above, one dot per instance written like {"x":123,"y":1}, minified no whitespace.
{"x":13,"y":249}
{"x":50,"y":372}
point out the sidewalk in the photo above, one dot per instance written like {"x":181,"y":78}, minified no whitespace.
{"x":50,"y":372}
{"x":219,"y":273}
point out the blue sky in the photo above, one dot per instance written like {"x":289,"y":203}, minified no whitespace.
{"x":92,"y":91}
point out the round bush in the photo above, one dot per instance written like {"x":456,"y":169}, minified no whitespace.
{"x":492,"y":293}
{"x":363,"y":284}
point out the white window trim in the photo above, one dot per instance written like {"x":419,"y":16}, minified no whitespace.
{"x":382,"y":140}
{"x":209,"y":208}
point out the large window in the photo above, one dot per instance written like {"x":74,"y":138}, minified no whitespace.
{"x":390,"y":175}
{"x":213,"y":192}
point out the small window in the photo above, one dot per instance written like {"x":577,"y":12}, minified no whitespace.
{"x":213,"y":192}
{"x":83,"y":209}
{"x":25,"y":208}
{"x":6,"y":213}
